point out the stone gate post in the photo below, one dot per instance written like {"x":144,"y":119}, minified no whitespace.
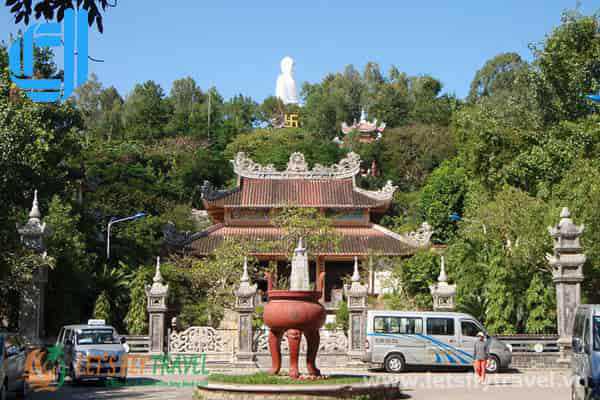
{"x":32,"y":302}
{"x":245,"y":298}
{"x":567,"y":273}
{"x":157,"y":307}
{"x":356,"y":295}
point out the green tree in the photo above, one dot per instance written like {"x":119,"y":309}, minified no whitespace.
{"x":443,"y":194}
{"x":541,"y":305}
{"x":410,"y":282}
{"x":87,"y":99}
{"x":568,"y":68}
{"x":274,"y":146}
{"x":185,"y":96}
{"x":409,"y":154}
{"x":137,"y":316}
{"x":146,"y":112}
{"x":102,"y":308}
{"x":498,"y":75}
{"x":69,"y":282}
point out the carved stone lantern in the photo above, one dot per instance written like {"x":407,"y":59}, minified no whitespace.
{"x":31,"y":311}
{"x":245,"y":298}
{"x":356,"y":293}
{"x":567,"y":273}
{"x":444,"y":294}
{"x":157,"y":307}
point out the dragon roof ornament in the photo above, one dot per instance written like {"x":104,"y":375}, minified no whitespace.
{"x":383,"y":194}
{"x":297,"y":168}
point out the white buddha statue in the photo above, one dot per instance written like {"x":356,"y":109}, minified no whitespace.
{"x":286,"y":85}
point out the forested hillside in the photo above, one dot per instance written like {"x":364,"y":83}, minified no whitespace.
{"x":524,"y":143}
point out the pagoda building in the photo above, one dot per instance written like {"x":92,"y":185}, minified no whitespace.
{"x":244,"y":213}
{"x":368,"y":131}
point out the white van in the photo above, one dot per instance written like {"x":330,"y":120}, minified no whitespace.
{"x":585,"y":361}
{"x":398,"y":339}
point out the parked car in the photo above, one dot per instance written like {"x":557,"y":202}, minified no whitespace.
{"x":93,"y":351}
{"x":399,"y":339}
{"x":13,"y":354}
{"x":585,"y":363}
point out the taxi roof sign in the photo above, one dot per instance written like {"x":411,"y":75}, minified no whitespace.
{"x":96,"y":322}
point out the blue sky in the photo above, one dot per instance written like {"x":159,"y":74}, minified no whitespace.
{"x":237,"y":45}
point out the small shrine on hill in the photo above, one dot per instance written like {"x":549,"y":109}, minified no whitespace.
{"x":368,"y":131}
{"x":245,"y":211}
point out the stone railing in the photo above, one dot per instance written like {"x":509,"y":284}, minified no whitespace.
{"x":332,"y":342}
{"x":527,"y":343}
{"x":203,"y":340}
{"x":138,"y":343}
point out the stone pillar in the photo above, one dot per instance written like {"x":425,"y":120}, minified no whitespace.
{"x":245,"y":297}
{"x":444,"y":295}
{"x":157,"y":308}
{"x":356,"y":294}
{"x":32,"y":302}
{"x":567,"y":273}
{"x":299,"y":278}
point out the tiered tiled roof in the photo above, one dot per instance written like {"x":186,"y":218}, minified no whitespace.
{"x":354,"y":241}
{"x":326,"y":187}
{"x":333,"y":187}
{"x":270,"y":193}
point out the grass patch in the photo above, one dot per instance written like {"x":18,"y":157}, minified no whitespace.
{"x":263,"y":378}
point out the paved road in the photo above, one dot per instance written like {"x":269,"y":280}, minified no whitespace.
{"x":419,"y":386}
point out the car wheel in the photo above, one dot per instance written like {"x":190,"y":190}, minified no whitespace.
{"x":395,"y":363}
{"x":493,"y":365}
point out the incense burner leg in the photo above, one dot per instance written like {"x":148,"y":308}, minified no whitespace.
{"x":312,"y":340}
{"x":275,"y":349}
{"x":294,"y":336}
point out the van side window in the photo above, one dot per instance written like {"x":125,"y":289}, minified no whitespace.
{"x":380,"y":325}
{"x":468,"y":328}
{"x":440,"y":326}
{"x":398,"y":325}
{"x":60,"y":335}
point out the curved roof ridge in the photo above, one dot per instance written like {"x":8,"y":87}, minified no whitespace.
{"x":384,"y":194}
{"x":297,"y":167}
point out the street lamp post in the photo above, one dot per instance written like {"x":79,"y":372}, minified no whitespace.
{"x":114,"y":221}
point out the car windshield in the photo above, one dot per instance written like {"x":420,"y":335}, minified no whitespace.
{"x":596,"y":333}
{"x":96,"y":336}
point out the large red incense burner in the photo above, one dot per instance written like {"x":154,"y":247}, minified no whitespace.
{"x":296,"y":312}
